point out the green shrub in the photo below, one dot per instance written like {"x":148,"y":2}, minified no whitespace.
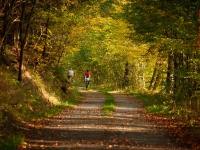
{"x":11,"y":142}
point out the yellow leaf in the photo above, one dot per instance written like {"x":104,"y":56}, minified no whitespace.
{"x":42,"y":146}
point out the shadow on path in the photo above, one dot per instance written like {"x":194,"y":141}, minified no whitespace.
{"x":84,"y":127}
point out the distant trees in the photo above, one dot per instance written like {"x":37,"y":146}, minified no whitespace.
{"x":172,"y":26}
{"x":100,"y":41}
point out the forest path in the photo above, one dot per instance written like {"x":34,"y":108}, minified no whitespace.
{"x":85,"y":127}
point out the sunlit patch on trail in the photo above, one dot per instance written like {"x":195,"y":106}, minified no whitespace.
{"x":86,"y":127}
{"x":82,"y":89}
{"x":88,"y":144}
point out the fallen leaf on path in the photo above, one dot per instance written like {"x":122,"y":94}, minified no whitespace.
{"x":56,"y":144}
{"x":42,"y":146}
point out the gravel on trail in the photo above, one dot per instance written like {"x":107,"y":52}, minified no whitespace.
{"x":85,"y":127}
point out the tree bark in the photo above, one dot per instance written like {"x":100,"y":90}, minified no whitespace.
{"x":170,"y":73}
{"x":156,"y":75}
{"x":153,"y":79}
{"x":198,"y":43}
{"x":23,"y":39}
{"x":21,"y":43}
{"x":46,"y":37}
{"x":4,"y":28}
{"x":126,"y":74}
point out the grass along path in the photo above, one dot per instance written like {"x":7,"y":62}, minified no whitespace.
{"x":86,"y":127}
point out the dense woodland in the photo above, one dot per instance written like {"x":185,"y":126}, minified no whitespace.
{"x":147,"y":46}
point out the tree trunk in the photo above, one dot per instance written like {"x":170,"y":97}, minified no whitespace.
{"x":6,"y":9}
{"x":198,"y":43}
{"x":157,"y":81}
{"x":23,"y":39}
{"x":153,"y":79}
{"x":21,"y":42}
{"x":46,"y":37}
{"x":156,"y":75}
{"x":197,"y":54}
{"x":5,"y":28}
{"x":126,"y":74}
{"x":143,"y":77}
{"x":170,"y":73}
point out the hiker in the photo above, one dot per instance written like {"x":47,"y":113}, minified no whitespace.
{"x":70,"y":74}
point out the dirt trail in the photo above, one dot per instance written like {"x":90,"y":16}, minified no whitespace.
{"x":85,"y":127}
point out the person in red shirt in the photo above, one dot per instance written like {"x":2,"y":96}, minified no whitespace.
{"x":87,"y":76}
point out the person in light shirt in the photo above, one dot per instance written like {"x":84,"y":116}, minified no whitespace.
{"x":70,"y":74}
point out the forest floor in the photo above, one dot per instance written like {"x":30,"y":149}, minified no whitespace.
{"x":85,"y":127}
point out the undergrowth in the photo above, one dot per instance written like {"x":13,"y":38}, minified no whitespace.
{"x":11,"y":142}
{"x":36,"y":97}
{"x":158,"y":104}
{"x":154,"y":103}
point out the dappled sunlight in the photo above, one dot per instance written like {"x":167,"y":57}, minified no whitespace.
{"x":86,"y":127}
{"x":97,"y":136}
{"x":88,"y":144}
{"x":115,"y":92}
{"x":83,"y":90}
{"x":50,"y":97}
{"x":97,"y":123}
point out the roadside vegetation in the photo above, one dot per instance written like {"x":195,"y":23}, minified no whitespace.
{"x":36,"y":98}
{"x":160,"y":112}
{"x":158,"y":104}
{"x":155,"y":103}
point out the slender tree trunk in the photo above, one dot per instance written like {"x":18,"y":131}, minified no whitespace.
{"x":176,"y":72}
{"x":197,"y":53}
{"x":170,"y":78}
{"x":126,"y":74}
{"x":143,"y":77}
{"x":46,"y":37}
{"x":23,"y":38}
{"x":60,"y":55}
{"x":157,"y":81}
{"x":156,"y":76}
{"x":198,"y":43}
{"x":153,"y":79}
{"x":170,"y":73}
{"x":21,"y":43}
{"x":6,"y":6}
{"x":5,"y":28}
{"x":197,"y":67}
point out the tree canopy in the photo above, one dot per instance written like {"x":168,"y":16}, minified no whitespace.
{"x":139,"y":45}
